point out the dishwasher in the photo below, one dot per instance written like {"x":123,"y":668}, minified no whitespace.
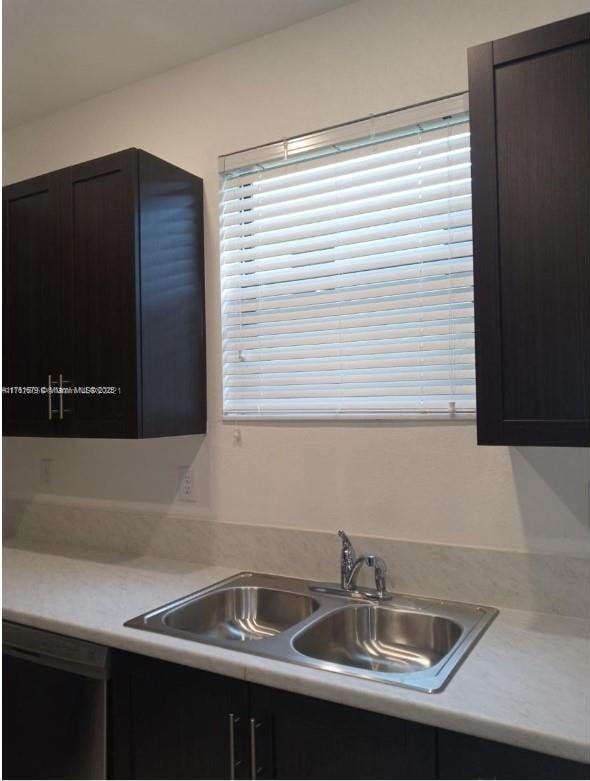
{"x":55,"y":692}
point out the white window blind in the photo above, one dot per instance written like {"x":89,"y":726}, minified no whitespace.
{"x":346,"y":270}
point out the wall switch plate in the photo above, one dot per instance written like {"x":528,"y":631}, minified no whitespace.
{"x":185,"y":484}
{"x":45,"y":472}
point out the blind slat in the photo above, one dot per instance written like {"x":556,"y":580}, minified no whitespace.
{"x":405,"y":344}
{"x":405,"y":173}
{"x":266,"y":207}
{"x":416,"y":265}
{"x":291,"y":315}
{"x":288,"y":216}
{"x":380,"y":361}
{"x":347,"y":322}
{"x":406,"y":148}
{"x":396,"y":251}
{"x":340,"y":377}
{"x":343,"y":336}
{"x":398,"y":220}
{"x":413,"y":233}
{"x":367,"y":405}
{"x":362,"y":295}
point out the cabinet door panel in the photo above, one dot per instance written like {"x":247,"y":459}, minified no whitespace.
{"x":175,"y":722}
{"x":463,"y":756}
{"x":530,"y":125}
{"x":543,"y":132}
{"x":316,"y":739}
{"x":101,"y":232}
{"x":33,"y":302}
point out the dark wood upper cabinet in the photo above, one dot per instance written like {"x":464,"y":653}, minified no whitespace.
{"x":529,"y":98}
{"x":104,"y":289}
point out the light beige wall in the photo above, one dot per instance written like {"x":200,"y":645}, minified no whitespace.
{"x":415,"y":481}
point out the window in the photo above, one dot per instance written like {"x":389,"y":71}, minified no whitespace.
{"x":347,"y":272}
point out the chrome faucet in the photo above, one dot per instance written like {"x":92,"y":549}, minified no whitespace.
{"x":350,"y":566}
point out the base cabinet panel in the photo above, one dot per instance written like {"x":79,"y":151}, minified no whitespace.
{"x":463,"y":756}
{"x":173,"y":722}
{"x":317,"y":739}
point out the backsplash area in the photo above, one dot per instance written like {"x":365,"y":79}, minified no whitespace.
{"x":541,"y":582}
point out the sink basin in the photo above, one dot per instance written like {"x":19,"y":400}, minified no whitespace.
{"x":241,"y":613}
{"x":406,"y":641}
{"x":382,"y":639}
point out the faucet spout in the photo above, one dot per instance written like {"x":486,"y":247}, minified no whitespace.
{"x":380,"y":567}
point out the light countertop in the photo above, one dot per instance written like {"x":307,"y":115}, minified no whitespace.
{"x":526,"y":682}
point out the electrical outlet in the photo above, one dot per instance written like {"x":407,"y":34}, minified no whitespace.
{"x":45,"y":472}
{"x":185,"y":484}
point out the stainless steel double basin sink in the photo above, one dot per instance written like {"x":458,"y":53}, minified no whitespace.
{"x":407,"y":641}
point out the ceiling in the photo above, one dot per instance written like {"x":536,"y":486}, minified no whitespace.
{"x":59,"y":52}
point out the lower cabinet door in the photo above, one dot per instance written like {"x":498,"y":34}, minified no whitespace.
{"x":463,"y":756}
{"x":173,"y":722}
{"x":296,"y":737}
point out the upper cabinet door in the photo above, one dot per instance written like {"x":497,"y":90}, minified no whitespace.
{"x":33,"y":311}
{"x":100,"y":234}
{"x":529,"y":100}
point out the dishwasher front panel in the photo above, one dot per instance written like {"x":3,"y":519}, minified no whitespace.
{"x":55,"y":692}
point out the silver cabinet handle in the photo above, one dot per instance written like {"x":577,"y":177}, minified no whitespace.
{"x":50,"y":383}
{"x":49,"y":389}
{"x":61,"y":398}
{"x":233,"y":720}
{"x":254,"y":769}
{"x":62,"y":382}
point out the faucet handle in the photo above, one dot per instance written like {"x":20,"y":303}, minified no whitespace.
{"x":347,"y":558}
{"x":347,"y":546}
{"x":380,"y":568}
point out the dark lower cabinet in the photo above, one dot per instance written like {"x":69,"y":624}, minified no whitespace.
{"x":309,"y":738}
{"x":463,"y":756}
{"x":170,"y":721}
{"x":173,"y":722}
